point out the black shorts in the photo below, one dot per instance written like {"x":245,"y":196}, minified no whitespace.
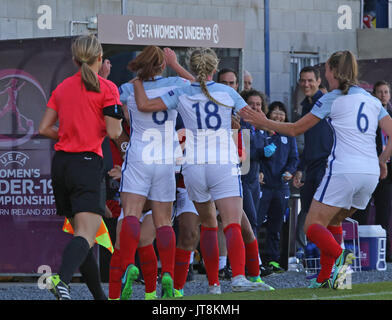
{"x":78,"y":183}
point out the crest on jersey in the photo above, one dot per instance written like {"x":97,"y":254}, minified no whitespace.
{"x":318,"y":103}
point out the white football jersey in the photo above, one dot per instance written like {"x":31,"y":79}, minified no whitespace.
{"x":152,"y":134}
{"x":354,"y":120}
{"x":208,"y":124}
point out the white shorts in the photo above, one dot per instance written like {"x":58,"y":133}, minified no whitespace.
{"x":154,"y":181}
{"x":183,"y":203}
{"x":215,"y":181}
{"x":121,"y":216}
{"x":347,"y":190}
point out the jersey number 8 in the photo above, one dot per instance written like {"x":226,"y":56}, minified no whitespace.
{"x":155,"y":118}
{"x":210,"y":114}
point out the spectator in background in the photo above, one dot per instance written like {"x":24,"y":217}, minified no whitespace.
{"x":278,"y":170}
{"x":383,"y":194}
{"x":228,"y":77}
{"x":317,"y":147}
{"x":382,"y":90}
{"x":250,"y":181}
{"x":248,"y":80}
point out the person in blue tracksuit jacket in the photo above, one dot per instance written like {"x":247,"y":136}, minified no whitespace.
{"x":278,"y":170}
{"x":318,"y":143}
{"x":250,"y":180}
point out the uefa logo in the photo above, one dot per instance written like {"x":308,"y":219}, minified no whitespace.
{"x":215,"y":33}
{"x":131,"y":25}
{"x":18,"y":91}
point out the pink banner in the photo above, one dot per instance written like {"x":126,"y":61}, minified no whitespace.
{"x":30,"y":231}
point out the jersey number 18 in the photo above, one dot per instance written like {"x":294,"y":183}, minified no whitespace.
{"x":210,"y":114}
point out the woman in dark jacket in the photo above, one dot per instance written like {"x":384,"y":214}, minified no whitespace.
{"x":278,"y":170}
{"x":250,"y":180}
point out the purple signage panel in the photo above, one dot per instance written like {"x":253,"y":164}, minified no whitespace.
{"x":30,"y":232}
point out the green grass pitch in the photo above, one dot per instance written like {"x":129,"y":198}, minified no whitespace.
{"x":364,"y":291}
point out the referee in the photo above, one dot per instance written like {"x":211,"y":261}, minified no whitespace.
{"x":87,"y":107}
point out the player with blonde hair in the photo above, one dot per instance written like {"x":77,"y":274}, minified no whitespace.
{"x":206,"y":109}
{"x":87,"y":109}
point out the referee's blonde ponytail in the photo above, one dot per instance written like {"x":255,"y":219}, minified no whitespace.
{"x":85,"y":51}
{"x":202,"y":62}
{"x":345,"y":69}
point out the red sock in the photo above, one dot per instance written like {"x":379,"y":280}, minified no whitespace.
{"x":337,"y":232}
{"x":324,"y":240}
{"x":149,"y":267}
{"x":129,"y":239}
{"x":181,"y":268}
{"x":252,"y":258}
{"x":326,"y":261}
{"x":235,"y":249}
{"x":115,"y":274}
{"x":210,"y":252}
{"x":166,"y":245}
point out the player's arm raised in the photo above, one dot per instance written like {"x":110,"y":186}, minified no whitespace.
{"x":171,"y":60}
{"x":143,"y":103}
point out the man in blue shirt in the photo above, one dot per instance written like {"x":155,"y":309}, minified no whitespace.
{"x":317,"y":147}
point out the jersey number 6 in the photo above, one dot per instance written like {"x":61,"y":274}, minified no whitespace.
{"x":361,"y":116}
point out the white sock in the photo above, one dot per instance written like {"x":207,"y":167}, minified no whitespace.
{"x":222,"y":262}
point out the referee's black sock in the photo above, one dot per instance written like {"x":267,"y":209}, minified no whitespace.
{"x":90,"y":272}
{"x":73,"y":256}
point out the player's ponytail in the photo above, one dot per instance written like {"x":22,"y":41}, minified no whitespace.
{"x":345,"y":69}
{"x":202,"y":62}
{"x":85,"y":51}
{"x":149,"y":63}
